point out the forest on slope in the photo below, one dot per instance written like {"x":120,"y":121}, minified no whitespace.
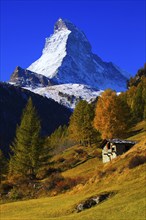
{"x":31,"y":163}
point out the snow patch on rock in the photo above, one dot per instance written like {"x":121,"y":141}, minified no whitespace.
{"x":69,"y":94}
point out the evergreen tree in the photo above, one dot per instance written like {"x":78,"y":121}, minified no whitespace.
{"x":89,"y":133}
{"x":76,"y":122}
{"x":134,"y":81}
{"x":59,"y":139}
{"x":81,"y":124}
{"x":112,"y":115}
{"x":27,"y":149}
{"x":136,"y":95}
{"x":139,"y":100}
{"x":138,"y":103}
{"x":129,"y":96}
{"x":144,"y":98}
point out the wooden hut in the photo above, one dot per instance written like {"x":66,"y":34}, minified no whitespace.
{"x":111,"y":148}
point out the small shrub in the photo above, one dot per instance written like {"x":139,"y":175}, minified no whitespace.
{"x":46,"y":172}
{"x":53,"y":180}
{"x":79,"y":151}
{"x":17,"y":179}
{"x":63,"y":185}
{"x":58,"y":183}
{"x":15,"y":194}
{"x":61,"y":160}
{"x":136,"y":161}
{"x":68,"y":183}
{"x":81,"y":154}
{"x":69,"y":163}
{"x":5,"y":188}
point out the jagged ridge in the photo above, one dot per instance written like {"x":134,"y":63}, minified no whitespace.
{"x":26,"y":78}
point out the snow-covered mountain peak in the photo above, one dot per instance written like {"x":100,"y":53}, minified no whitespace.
{"x":67,"y":58}
{"x":60,"y":25}
{"x":68,"y":71}
{"x":63,"y":24}
{"x":52,"y":55}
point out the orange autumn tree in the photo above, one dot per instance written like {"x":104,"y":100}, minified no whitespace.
{"x":111,"y":115}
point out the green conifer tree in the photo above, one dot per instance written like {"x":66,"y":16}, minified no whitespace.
{"x":27,"y":149}
{"x":81,"y":124}
{"x":138,"y":103}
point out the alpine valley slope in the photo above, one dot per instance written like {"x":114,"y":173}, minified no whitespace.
{"x":67,"y":59}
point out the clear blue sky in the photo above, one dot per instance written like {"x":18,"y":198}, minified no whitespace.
{"x":115,"y":29}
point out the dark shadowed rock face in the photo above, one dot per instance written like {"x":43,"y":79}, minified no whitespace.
{"x":25,"y":78}
{"x":12,"y":102}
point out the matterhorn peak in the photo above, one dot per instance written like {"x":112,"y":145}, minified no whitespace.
{"x":59,"y":25}
{"x":67,"y":58}
{"x":63,"y":24}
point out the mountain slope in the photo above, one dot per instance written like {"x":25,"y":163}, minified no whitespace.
{"x":69,"y":94}
{"x":127,"y":202}
{"x":65,"y":94}
{"x":12,"y":101}
{"x":67,"y":58}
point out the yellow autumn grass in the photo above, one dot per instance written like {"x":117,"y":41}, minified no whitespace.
{"x":128,"y":203}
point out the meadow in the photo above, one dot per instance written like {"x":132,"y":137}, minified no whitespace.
{"x":125,"y":181}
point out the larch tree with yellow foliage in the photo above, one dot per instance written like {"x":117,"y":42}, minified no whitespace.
{"x":112,"y":115}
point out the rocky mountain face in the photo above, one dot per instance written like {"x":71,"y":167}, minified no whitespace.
{"x":26,"y":78}
{"x":65,"y":94}
{"x":67,"y":58}
{"x":13,"y":100}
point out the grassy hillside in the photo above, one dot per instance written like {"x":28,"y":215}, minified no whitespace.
{"x":78,"y":161}
{"x":125,"y":177}
{"x":138,"y":132}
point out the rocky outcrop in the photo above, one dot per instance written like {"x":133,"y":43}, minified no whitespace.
{"x":93,"y":201}
{"x":25,"y":78}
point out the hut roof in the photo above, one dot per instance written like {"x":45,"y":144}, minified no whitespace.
{"x":117,"y":141}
